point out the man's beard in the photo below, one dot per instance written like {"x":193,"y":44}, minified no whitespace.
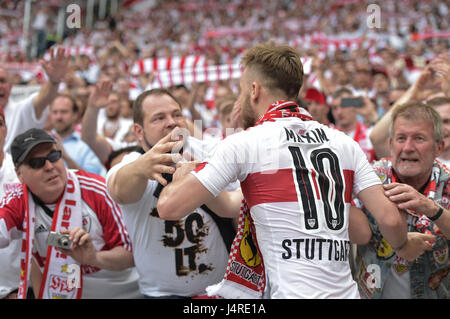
{"x":248,"y":115}
{"x":63,"y":130}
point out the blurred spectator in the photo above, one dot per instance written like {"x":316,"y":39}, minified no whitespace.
{"x":347,"y":121}
{"x":442,"y":106}
{"x":318,"y":107}
{"x":113,"y":125}
{"x":76,"y":153}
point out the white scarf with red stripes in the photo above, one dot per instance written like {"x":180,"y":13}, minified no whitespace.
{"x":56,"y":280}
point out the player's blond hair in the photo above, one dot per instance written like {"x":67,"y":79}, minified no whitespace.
{"x":277,"y":67}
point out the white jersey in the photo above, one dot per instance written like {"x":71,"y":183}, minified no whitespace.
{"x":297,"y":178}
{"x":9,"y":256}
{"x":19,"y":117}
{"x":173,"y":257}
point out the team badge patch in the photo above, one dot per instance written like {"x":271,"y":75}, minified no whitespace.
{"x":384,"y":249}
{"x":441,"y":256}
{"x":400,"y":265}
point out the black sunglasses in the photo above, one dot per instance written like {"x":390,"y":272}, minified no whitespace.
{"x":39,"y":162}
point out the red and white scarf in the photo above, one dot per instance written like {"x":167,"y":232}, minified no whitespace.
{"x":55,"y":282}
{"x":245,"y":277}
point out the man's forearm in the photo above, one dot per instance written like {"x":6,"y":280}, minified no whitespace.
{"x":127,"y":185}
{"x":227,"y":204}
{"x":115,"y":259}
{"x":47,"y":93}
{"x":394,"y":233}
{"x":89,"y":135}
{"x":390,"y":222}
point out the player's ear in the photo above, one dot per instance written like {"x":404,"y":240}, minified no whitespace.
{"x":255,"y":91}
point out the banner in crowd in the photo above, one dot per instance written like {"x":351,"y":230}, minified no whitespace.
{"x":76,"y":50}
{"x":158,"y":64}
{"x":203,"y":73}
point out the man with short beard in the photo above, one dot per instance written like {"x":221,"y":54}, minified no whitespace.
{"x":113,"y":125}
{"x":175,"y":259}
{"x":76,"y":153}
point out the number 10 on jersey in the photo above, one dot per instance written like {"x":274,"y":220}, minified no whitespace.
{"x":321,"y":187}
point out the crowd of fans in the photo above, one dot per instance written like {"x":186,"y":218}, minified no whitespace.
{"x":339,"y":37}
{"x":346,"y":55}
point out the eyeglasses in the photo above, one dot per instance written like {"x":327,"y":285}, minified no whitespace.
{"x":39,"y":162}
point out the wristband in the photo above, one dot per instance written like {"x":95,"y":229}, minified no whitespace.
{"x":402,"y":245}
{"x":438,"y":214}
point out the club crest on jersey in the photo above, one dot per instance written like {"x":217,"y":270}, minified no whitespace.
{"x":87,"y":223}
{"x":311,"y":222}
{"x":334,"y":223}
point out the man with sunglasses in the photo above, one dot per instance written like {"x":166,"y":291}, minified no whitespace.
{"x":54,"y":199}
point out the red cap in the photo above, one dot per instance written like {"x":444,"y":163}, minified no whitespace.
{"x":315,"y":95}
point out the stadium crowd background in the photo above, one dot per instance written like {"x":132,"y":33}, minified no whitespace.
{"x":335,"y":37}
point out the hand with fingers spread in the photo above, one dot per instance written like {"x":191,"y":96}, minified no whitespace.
{"x":99,"y":97}
{"x":407,"y":197}
{"x":159,"y":159}
{"x":416,"y":245}
{"x":82,"y":249}
{"x":441,"y":67}
{"x":56,"y":68}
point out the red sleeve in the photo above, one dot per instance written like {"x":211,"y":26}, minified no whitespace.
{"x":12,"y":214}
{"x":94,"y":193}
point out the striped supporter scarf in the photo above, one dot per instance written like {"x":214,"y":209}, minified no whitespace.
{"x":57,"y":282}
{"x":245,"y":277}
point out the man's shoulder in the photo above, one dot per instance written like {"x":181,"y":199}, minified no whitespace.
{"x":90,"y":182}
{"x":14,"y":197}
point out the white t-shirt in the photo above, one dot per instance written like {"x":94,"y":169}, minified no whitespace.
{"x":19,"y":117}
{"x":173,"y":257}
{"x":124,"y":126}
{"x":9,"y":256}
{"x":297,"y":178}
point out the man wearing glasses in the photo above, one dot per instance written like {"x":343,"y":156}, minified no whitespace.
{"x":55,"y":200}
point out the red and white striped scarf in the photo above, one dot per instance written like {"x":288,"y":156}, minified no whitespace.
{"x":245,"y":276}
{"x":55,"y":282}
{"x":281,"y":109}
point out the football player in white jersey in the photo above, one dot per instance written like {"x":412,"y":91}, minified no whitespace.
{"x":175,"y":259}
{"x":297,"y":177}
